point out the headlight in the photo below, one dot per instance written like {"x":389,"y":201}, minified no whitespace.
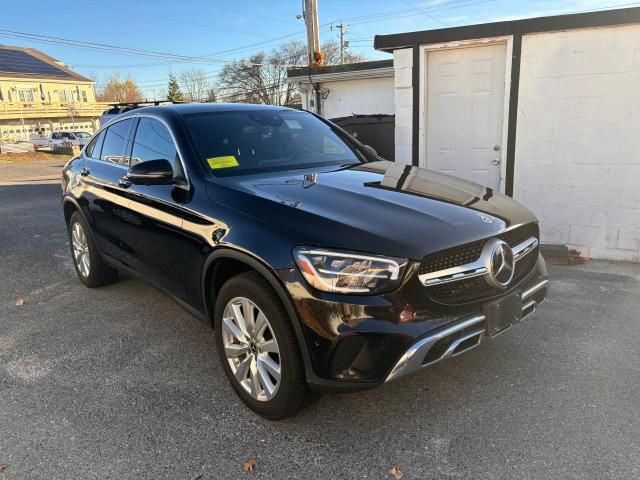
{"x":337,"y":271}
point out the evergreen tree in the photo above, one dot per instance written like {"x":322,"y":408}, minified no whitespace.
{"x":211,"y":95}
{"x":173,"y":91}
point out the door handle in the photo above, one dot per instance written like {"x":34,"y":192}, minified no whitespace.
{"x":84,"y":171}
{"x":124,"y":182}
{"x":496,"y":161}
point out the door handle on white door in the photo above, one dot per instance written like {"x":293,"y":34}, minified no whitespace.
{"x":496,"y":161}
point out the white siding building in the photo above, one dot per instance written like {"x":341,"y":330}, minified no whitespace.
{"x":544,"y":109}
{"x":344,"y":90}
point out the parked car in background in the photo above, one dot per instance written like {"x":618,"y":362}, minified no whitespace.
{"x":41,"y":142}
{"x":58,"y":138}
{"x":320,"y":266}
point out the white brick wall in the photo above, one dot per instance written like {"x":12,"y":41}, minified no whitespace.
{"x":403,"y":69}
{"x":578,"y":140}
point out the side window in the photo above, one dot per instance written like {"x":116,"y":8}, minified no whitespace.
{"x":93,"y":149}
{"x":114,"y":142}
{"x":153,"y":142}
{"x":55,"y":136}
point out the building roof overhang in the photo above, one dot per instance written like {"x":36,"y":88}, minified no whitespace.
{"x":624,"y":16}
{"x":334,"y":73}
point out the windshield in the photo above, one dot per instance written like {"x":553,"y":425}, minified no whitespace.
{"x":82,"y":134}
{"x":235,"y":143}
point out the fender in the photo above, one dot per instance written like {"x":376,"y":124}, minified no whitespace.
{"x":71,"y":199}
{"x":274,"y":281}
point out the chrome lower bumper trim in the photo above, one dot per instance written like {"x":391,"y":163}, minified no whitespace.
{"x":527,"y":293}
{"x":413,"y":358}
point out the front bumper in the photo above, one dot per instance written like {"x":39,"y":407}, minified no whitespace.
{"x":360,"y":342}
{"x":459,"y":338}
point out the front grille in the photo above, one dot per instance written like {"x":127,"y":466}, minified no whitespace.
{"x":452,"y":257}
{"x":518,"y":235}
{"x":475,"y":289}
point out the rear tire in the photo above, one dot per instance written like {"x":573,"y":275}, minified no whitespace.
{"x":92,"y":270}
{"x":258,"y":348}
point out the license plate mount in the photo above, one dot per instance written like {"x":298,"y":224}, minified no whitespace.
{"x":503,"y":313}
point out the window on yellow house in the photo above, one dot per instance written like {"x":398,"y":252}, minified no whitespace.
{"x":26,"y":95}
{"x":65,"y":96}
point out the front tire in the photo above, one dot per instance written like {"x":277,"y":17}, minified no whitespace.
{"x":91,"y":268}
{"x":258,"y":348}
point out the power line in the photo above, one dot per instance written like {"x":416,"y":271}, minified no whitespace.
{"x":214,"y":73}
{"x":178,"y":19}
{"x":399,"y":13}
{"x":427,"y":14}
{"x":114,"y":48}
{"x":412,"y":13}
{"x":247,"y":14}
{"x":607,"y":8}
{"x":204,"y":59}
{"x":454,"y":4}
{"x":466,"y":2}
{"x":324,"y":27}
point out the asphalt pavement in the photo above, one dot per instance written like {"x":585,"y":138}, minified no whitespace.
{"x":120,"y":383}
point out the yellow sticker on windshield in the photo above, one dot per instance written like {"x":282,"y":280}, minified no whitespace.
{"x":222,"y":162}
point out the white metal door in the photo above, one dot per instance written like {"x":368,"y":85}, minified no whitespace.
{"x":465,"y":106}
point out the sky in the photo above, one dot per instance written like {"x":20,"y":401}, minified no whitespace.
{"x":227,"y":30}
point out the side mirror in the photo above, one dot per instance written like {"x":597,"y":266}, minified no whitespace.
{"x":151,"y":172}
{"x":371,"y":150}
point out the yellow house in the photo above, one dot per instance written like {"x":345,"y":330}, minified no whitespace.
{"x":39,"y":95}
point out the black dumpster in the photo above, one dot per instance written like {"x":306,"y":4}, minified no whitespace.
{"x":376,"y":131}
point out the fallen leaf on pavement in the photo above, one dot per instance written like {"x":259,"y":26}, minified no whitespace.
{"x":2,"y":467}
{"x":396,"y":473}
{"x":250,"y":465}
{"x":20,"y":302}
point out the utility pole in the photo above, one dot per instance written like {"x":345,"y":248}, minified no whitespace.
{"x":343,"y":45}
{"x":310,"y":15}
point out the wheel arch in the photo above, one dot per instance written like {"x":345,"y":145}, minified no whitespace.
{"x":70,"y":205}
{"x":249,"y":262}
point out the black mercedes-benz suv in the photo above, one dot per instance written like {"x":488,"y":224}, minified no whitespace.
{"x":320,"y":266}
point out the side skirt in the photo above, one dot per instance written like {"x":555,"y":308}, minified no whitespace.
{"x":193,"y":311}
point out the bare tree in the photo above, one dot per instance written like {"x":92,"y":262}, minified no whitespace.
{"x":331,"y":50}
{"x":195,"y":85}
{"x":262,"y":78}
{"x":72,"y":111}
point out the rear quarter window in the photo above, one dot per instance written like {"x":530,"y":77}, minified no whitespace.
{"x":95,"y":146}
{"x":114,"y":143}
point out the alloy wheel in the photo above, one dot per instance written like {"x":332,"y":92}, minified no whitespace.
{"x":251,"y":348}
{"x":80,"y":249}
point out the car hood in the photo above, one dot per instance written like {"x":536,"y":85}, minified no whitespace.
{"x":380,"y":207}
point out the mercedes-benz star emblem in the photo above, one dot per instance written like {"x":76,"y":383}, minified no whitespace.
{"x":499,"y":262}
